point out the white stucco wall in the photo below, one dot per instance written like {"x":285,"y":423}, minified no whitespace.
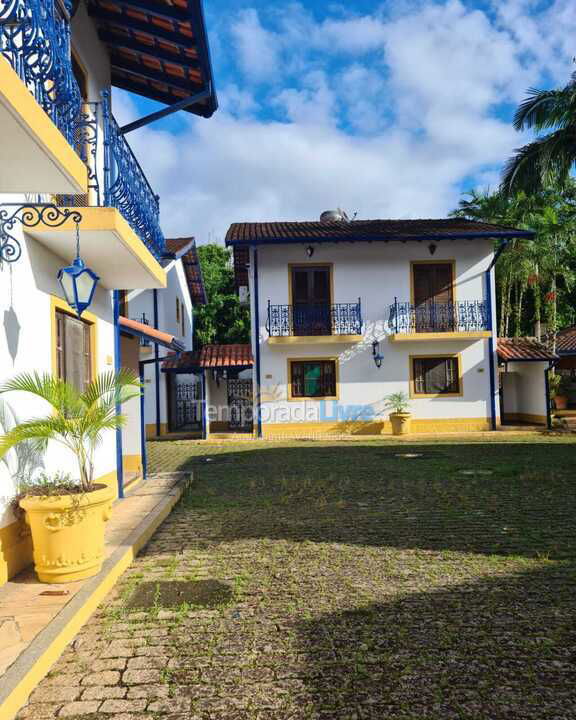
{"x":142,"y":301}
{"x":26,"y":287}
{"x":377,"y":273}
{"x":525,"y":394}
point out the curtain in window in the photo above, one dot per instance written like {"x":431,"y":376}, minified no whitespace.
{"x":313,"y":379}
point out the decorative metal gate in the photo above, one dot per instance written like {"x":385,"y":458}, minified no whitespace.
{"x":187,"y":413}
{"x":240,"y":403}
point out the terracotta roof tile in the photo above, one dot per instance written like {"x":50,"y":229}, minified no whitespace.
{"x":175,"y":245}
{"x":518,"y":349}
{"x":212,"y":356}
{"x":194,"y":279}
{"x":142,"y":330}
{"x":366,"y":231}
{"x":566,"y":341}
{"x":241,"y":260}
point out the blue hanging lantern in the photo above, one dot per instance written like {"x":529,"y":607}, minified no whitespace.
{"x":77,"y":281}
{"x":376,"y":354}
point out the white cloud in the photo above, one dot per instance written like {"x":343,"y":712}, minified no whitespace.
{"x":381,"y":115}
{"x":255,"y":46}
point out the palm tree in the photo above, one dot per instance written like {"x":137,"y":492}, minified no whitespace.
{"x":550,"y":158}
{"x":77,"y":419}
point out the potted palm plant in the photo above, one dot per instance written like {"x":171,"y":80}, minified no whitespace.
{"x":400,"y":417}
{"x":67,"y":519}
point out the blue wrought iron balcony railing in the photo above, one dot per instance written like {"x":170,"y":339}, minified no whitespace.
{"x":35,"y":39}
{"x":460,"y":316}
{"x":306,"y":319}
{"x":115,"y":177}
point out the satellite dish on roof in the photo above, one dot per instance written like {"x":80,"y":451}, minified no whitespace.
{"x":334,"y":216}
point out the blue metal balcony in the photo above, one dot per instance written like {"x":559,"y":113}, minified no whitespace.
{"x":438,"y":317}
{"x":126,"y":186}
{"x":303,"y":319}
{"x":115,"y":177}
{"x":35,"y":39}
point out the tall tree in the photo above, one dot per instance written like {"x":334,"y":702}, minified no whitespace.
{"x":549,"y":159}
{"x":223,"y":320}
{"x":534,"y":278}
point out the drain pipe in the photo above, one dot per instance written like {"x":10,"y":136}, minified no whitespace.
{"x":157,"y":362}
{"x":143,"y":454}
{"x":548,"y":398}
{"x":492,"y":365}
{"x":117,"y":368}
{"x":257,"y":346}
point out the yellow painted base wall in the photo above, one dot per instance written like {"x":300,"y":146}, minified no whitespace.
{"x":16,"y":540}
{"x":15,"y":549}
{"x":525,"y":418}
{"x":151,"y":430}
{"x":432,"y":425}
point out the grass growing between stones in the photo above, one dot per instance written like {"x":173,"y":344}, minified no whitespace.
{"x":363,"y":585}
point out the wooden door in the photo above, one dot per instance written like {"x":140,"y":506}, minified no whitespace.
{"x":311,"y":301}
{"x":433,"y":299}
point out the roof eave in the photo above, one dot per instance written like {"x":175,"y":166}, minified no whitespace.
{"x":528,"y":234}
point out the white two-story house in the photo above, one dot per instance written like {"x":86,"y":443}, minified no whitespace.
{"x":71,"y":186}
{"x":344,"y":313}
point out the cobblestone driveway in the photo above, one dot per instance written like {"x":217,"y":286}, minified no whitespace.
{"x":364,"y":585}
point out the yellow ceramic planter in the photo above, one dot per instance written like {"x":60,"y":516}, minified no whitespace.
{"x":68,"y":533}
{"x":401,"y":423}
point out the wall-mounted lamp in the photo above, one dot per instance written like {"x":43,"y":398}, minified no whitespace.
{"x":431,"y":248}
{"x":376,"y":354}
{"x":309,"y":251}
{"x":77,"y":281}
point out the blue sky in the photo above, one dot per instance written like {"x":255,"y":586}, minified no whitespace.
{"x":387,"y":110}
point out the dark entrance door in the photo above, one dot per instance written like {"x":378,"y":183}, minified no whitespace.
{"x":185,"y":407}
{"x":433,"y":300}
{"x":311,"y":301}
{"x":240,"y":404}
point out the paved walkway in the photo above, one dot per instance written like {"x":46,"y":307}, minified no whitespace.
{"x":364,"y":584}
{"x":34,"y":617}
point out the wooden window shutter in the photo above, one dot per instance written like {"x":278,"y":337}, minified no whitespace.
{"x":443,"y":283}
{"x":74,"y":352}
{"x":60,"y":359}
{"x":422,"y":284}
{"x":87,"y":356}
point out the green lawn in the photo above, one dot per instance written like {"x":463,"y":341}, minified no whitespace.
{"x":354,"y":584}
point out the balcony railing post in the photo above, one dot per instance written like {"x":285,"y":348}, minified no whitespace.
{"x":106,"y":144}
{"x":360,"y":320}
{"x":395,"y":314}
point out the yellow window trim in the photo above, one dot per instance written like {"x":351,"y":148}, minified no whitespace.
{"x":433,"y":356}
{"x":57,"y":303}
{"x":313,"y":359}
